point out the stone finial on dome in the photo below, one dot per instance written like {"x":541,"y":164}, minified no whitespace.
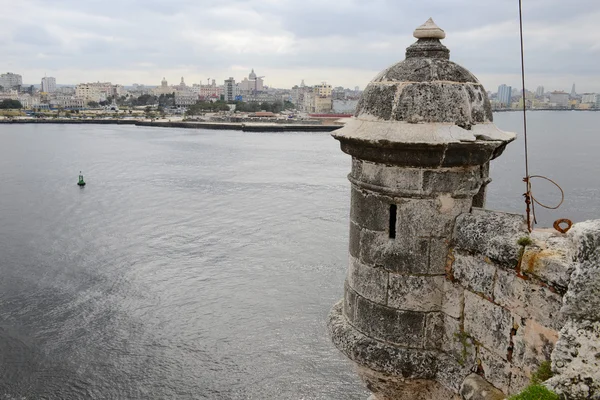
{"x":429,"y":30}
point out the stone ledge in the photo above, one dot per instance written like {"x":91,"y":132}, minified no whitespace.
{"x":379,"y":356}
{"x":492,"y":234}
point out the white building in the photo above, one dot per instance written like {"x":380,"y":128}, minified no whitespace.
{"x":63,"y":101}
{"x":10,"y":80}
{"x":589,"y":98}
{"x":28,"y":101}
{"x":230,"y":90}
{"x":48,"y":84}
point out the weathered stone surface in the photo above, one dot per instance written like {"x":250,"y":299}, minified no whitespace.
{"x":429,"y":30}
{"x":458,"y":181}
{"x":369,"y":210}
{"x":576,"y":361}
{"x":474,"y":273}
{"x":549,"y":259}
{"x":582,"y":301}
{"x":461,"y":104}
{"x":377,"y":100}
{"x":387,"y":387}
{"x":518,"y":381}
{"x":453,"y":299}
{"x":438,"y":255}
{"x":369,"y":282}
{"x":354,"y":240}
{"x":488,"y":323}
{"x":586,"y":236}
{"x":527,"y":299}
{"x":491,"y":234}
{"x":450,"y":373}
{"x":376,"y":355}
{"x":384,"y":147}
{"x":475,"y":387}
{"x":415,"y":293}
{"x":495,"y":369}
{"x":404,"y":328}
{"x":533,"y":344}
{"x":349,"y":303}
{"x":388,"y":178}
{"x":430,"y":217}
{"x":434,"y":330}
{"x":457,"y":344}
{"x":400,"y":255}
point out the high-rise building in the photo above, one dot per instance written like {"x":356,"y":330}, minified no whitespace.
{"x":11,"y":81}
{"x":505,"y":95}
{"x":573,"y":92}
{"x":48,"y":84}
{"x":230,"y":89}
{"x":539,"y":91}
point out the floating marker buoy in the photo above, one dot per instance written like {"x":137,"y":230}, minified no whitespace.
{"x":81,"y":182}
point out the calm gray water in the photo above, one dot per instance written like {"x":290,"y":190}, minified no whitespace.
{"x":202,"y":264}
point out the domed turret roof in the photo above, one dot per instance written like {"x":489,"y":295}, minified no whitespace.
{"x":425,"y":98}
{"x":252,"y":75}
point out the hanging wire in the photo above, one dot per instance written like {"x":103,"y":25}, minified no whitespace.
{"x":530,"y":200}
{"x":528,"y":203}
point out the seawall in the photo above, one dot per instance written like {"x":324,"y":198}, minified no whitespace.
{"x":188,"y":125}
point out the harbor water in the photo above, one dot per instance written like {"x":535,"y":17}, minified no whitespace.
{"x":200,"y":264}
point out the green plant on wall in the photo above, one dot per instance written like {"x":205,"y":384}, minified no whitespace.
{"x":462,"y":338}
{"x":536,"y":391}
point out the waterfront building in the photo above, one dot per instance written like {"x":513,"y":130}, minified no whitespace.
{"x":185,"y":98}
{"x":559,"y":99}
{"x":97,"y":91}
{"x":314,"y":102}
{"x":504,"y":95}
{"x":573,"y":92}
{"x":588,"y":98}
{"x":67,"y":102}
{"x":231,"y":90}
{"x":28,"y":101}
{"x":48,"y":84}
{"x":598,"y":101}
{"x":11,"y":81}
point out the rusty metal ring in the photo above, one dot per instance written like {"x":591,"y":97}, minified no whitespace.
{"x":563,"y":221}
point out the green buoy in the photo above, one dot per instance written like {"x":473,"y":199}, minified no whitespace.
{"x":81,"y":181}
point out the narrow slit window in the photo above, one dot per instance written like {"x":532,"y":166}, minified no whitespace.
{"x":393,"y":221}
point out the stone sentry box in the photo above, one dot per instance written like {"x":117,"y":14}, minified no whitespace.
{"x":439,"y":292}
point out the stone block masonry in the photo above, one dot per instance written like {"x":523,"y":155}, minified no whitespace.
{"x":442,"y":298}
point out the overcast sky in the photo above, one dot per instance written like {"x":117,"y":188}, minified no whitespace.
{"x":343,"y":42}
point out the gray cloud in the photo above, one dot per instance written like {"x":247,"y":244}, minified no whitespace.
{"x":343,"y":41}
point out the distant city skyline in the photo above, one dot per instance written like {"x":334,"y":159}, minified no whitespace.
{"x":345,"y":42}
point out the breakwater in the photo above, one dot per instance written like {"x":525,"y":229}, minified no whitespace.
{"x":189,"y":125}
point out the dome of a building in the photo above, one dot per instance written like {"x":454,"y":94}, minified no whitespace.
{"x":252,"y":75}
{"x":424,"y":99}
